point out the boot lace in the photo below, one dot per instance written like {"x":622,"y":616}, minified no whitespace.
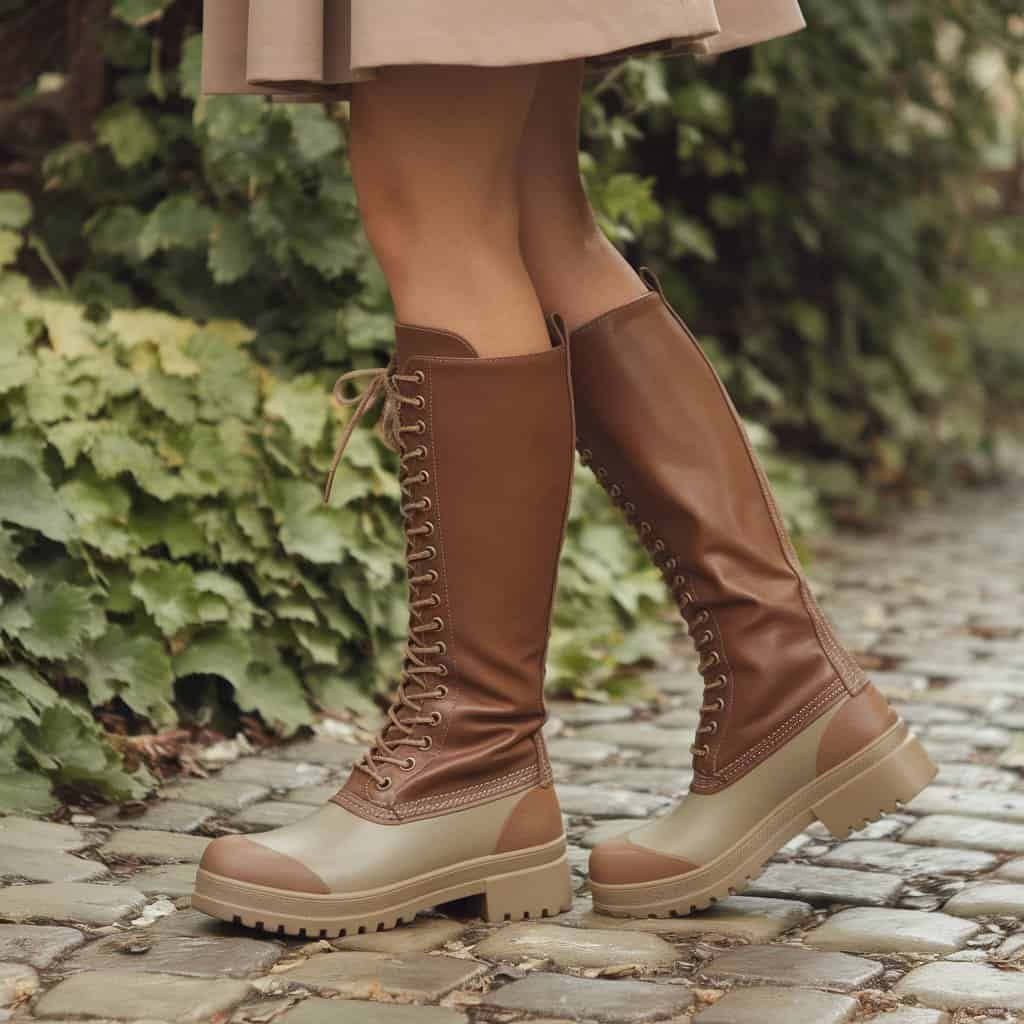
{"x":696,"y":617}
{"x":420,"y":667}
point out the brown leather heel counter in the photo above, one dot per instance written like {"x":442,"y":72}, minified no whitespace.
{"x":535,"y":820}
{"x":860,"y":721}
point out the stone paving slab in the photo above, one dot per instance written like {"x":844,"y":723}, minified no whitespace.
{"x":351,"y":1011}
{"x":615,"y":1002}
{"x":750,"y":918}
{"x":979,"y":899}
{"x":122,"y":995}
{"x":972,"y":803}
{"x":588,"y":713}
{"x":421,"y":936}
{"x":78,"y":902}
{"x":154,"y":847}
{"x":953,"y":986}
{"x":826,"y":885}
{"x":201,"y":957}
{"x":1012,"y":870}
{"x":581,"y":752}
{"x":29,"y":834}
{"x":37,"y":945}
{"x":877,"y":930}
{"x":779,"y":1006}
{"x":270,"y":814}
{"x":366,"y":975}
{"x":912,"y":1015}
{"x":165,"y":816}
{"x":48,"y":866}
{"x":969,"y":833}
{"x":166,"y":880}
{"x":792,"y":965}
{"x":220,"y":794}
{"x":320,"y":750}
{"x":577,"y":947}
{"x":903,"y":859}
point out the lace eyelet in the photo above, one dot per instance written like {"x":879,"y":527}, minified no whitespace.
{"x":586,"y":454}
{"x":442,"y":689}
{"x":419,"y":402}
{"x":426,"y":743}
{"x":712,"y":728}
{"x":383,"y":784}
{"x":615,"y":491}
{"x":706,"y":637}
{"x":438,"y":623}
{"x":435,"y":600}
{"x":420,"y":427}
{"x":659,"y":545}
{"x":424,"y":477}
{"x":408,"y":764}
{"x":720,"y":702}
{"x":441,"y":648}
{"x":435,"y":718}
{"x":443,"y":672}
{"x":433,"y":575}
{"x":429,"y":527}
{"x":645,"y":528}
{"x":430,"y":551}
{"x":426,"y":505}
{"x":629,"y":507}
{"x":701,"y":751}
{"x":420,"y":376}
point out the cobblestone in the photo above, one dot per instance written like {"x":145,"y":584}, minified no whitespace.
{"x":791,"y":965}
{"x":37,"y":945}
{"x":618,"y":1002}
{"x":904,"y":859}
{"x":351,"y":1011}
{"x":166,"y":816}
{"x":779,"y":1006}
{"x":78,"y":902}
{"x":827,"y":885}
{"x":48,"y":866}
{"x":981,"y":898}
{"x":577,"y":947}
{"x":953,"y":986}
{"x":970,"y":833}
{"x":122,"y":995}
{"x":365,"y":975}
{"x":154,"y":847}
{"x":17,"y":983}
{"x":871,"y":930}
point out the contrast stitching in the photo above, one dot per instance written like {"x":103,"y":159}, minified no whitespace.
{"x":773,"y":740}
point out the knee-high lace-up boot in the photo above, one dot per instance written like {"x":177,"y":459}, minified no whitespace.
{"x":454,"y":798}
{"x":790,"y":729}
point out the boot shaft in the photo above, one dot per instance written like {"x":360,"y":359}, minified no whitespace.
{"x":664,"y":439}
{"x":486,"y":450}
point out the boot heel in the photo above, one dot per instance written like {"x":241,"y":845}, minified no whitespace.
{"x":896,"y":778}
{"x":535,"y":892}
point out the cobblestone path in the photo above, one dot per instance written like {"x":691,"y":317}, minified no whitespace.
{"x":915,"y":920}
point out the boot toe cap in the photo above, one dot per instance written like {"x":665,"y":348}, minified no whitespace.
{"x":249,"y":861}
{"x":623,"y":862}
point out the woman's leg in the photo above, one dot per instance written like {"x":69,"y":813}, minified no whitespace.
{"x":576,"y":271}
{"x":434,"y":156}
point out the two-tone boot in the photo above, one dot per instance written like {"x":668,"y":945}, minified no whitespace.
{"x":791,"y":731}
{"x":454,"y":798}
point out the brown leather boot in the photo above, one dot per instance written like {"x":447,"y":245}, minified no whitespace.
{"x":790,"y":729}
{"x":455,"y":797}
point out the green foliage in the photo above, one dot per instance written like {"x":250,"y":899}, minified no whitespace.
{"x":811,"y":206}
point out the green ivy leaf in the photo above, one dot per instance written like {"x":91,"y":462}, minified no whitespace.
{"x":52,"y":621}
{"x":177,"y":222}
{"x":169,"y":593}
{"x":232,"y":250}
{"x":303,"y":405}
{"x":128,"y":133}
{"x":135,"y":668}
{"x":15,"y":210}
{"x":28,"y":499}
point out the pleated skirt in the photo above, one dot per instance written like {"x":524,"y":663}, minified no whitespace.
{"x":316,"y":49}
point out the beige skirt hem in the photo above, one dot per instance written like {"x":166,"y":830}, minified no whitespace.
{"x":316,"y":49}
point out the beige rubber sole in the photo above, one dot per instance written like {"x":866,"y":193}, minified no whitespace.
{"x":890,"y":772}
{"x":526,"y":883}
